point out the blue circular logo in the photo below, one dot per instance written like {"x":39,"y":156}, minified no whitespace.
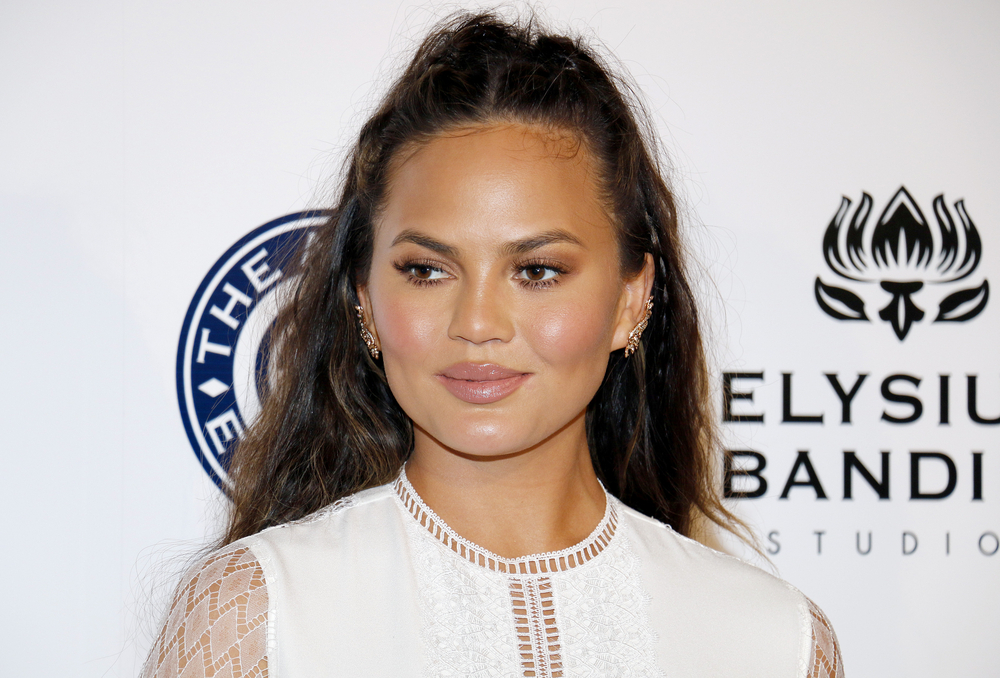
{"x":220,"y":362}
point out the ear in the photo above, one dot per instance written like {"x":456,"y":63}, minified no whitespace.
{"x":369,"y":317}
{"x":632,"y":303}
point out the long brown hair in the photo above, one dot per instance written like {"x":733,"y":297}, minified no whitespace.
{"x":330,"y":427}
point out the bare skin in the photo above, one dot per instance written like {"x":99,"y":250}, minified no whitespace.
{"x":494,"y":250}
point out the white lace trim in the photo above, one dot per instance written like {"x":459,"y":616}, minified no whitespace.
{"x":325,"y":512}
{"x":538,"y":616}
{"x":541,"y":563}
{"x":466,"y":623}
{"x":535,"y":624}
{"x":218,"y":624}
{"x":820,"y":653}
{"x":604,"y":616}
{"x":825,"y":659}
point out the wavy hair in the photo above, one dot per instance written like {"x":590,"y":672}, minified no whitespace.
{"x":329,"y":425}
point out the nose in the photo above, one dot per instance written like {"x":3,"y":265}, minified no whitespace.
{"x":481,"y":314}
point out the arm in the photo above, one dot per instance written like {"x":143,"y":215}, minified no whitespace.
{"x":826,"y":660}
{"x":217,"y":623}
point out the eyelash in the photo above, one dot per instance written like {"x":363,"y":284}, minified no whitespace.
{"x":541,"y":263}
{"x":406,"y":267}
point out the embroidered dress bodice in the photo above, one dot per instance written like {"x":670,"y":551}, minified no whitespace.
{"x":378,"y":585}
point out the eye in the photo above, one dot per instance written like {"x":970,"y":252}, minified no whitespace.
{"x":537,"y":273}
{"x":425,"y":272}
{"x":421,"y":272}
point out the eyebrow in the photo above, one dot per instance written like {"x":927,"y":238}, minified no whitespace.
{"x":526,"y":245}
{"x":409,"y":235}
{"x":510,"y":249}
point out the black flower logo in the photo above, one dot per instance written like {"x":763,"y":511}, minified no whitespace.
{"x":902,"y":253}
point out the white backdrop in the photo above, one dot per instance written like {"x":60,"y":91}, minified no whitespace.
{"x":140,"y":140}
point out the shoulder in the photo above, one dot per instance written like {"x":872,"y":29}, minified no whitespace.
{"x":221,"y":582}
{"x":734,"y":600}
{"x":825,"y":659}
{"x":346,"y":539}
{"x":678,"y":556}
{"x":357,"y":511}
{"x":218,"y":616}
{"x":719,"y":605}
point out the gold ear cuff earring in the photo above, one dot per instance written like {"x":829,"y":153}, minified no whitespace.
{"x":636,"y":334}
{"x":367,"y":336}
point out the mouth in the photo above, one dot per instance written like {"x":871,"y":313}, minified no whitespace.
{"x":481,"y":384}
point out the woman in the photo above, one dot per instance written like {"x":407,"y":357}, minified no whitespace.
{"x":489,"y":405}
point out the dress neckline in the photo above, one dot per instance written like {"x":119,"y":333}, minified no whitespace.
{"x":540,"y":563}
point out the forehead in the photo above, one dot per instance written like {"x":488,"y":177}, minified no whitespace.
{"x":496,"y":183}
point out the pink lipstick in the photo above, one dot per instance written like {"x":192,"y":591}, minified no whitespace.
{"x":481,"y":384}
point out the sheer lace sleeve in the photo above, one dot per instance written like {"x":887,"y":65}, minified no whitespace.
{"x":217,"y":625}
{"x":826,"y":661}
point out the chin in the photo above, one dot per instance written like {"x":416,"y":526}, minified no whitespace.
{"x":494,"y":439}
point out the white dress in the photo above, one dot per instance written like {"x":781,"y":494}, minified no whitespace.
{"x":377,"y":585}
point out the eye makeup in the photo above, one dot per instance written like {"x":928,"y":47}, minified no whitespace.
{"x":421,"y":272}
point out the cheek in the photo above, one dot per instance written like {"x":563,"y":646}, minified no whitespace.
{"x":407,"y":329}
{"x":407,"y":334}
{"x":571,"y":335}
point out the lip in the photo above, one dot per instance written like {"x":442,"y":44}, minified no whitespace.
{"x":481,"y":384}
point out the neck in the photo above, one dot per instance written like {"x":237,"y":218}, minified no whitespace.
{"x":546,"y":498}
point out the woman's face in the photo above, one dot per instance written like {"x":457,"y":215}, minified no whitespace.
{"x":495,"y":292}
